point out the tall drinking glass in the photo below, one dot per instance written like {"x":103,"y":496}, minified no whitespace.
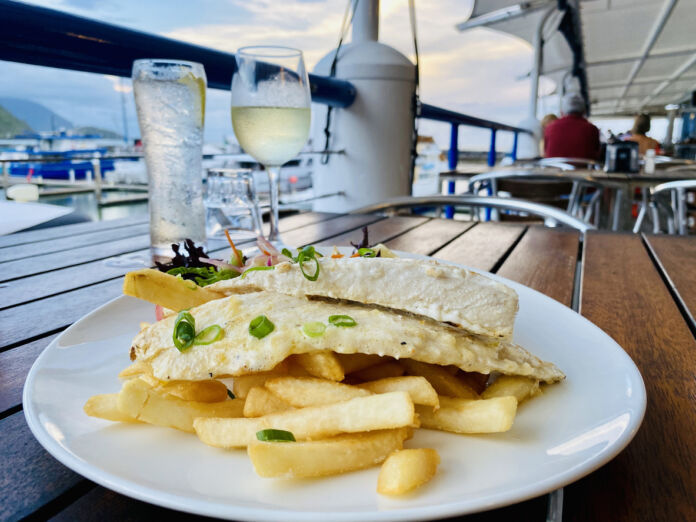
{"x":170,"y":101}
{"x":271,"y":110}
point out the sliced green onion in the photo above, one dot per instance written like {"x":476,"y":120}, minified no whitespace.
{"x":275,"y":436}
{"x":308,"y":254}
{"x":260,"y":327}
{"x":314,"y":329}
{"x":367,"y":252}
{"x":209,"y":335}
{"x":230,"y":394}
{"x":342,"y":320}
{"x":287,"y":253}
{"x":256,"y":269}
{"x":184,"y":331}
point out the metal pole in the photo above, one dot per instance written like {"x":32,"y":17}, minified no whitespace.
{"x":452,"y":160}
{"x":513,"y":153}
{"x":96,"y":165}
{"x":6,"y":176}
{"x":366,"y":21}
{"x":491,"y":163}
{"x":538,"y":61}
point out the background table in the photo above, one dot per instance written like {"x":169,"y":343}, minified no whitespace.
{"x":639,"y":289}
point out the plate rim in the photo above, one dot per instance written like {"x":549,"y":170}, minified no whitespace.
{"x":226,"y":511}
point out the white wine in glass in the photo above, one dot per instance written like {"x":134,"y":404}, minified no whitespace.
{"x":271,"y":110}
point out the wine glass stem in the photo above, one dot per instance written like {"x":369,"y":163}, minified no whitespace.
{"x":273,"y":176}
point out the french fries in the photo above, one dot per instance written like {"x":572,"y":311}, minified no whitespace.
{"x":470,"y":416}
{"x":321,"y":364}
{"x":259,"y":402}
{"x":200,"y":391}
{"x":418,"y":388}
{"x":376,"y":412}
{"x":379,"y":371}
{"x":443,"y":381}
{"x":144,"y":403}
{"x":106,"y":407}
{"x":308,"y":391}
{"x":353,"y":362}
{"x":166,"y":290}
{"x":519,"y":387}
{"x":405,"y":470}
{"x":324,"y":457}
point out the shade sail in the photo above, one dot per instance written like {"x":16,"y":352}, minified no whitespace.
{"x":639,"y":55}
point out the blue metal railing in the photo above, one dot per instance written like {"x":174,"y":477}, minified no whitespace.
{"x":40,"y":36}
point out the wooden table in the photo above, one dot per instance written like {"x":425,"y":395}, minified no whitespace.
{"x":639,"y":289}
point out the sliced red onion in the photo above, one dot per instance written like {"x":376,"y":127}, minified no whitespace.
{"x":264,"y":244}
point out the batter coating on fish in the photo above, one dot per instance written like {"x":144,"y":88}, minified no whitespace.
{"x":377,"y":331}
{"x":441,"y":292}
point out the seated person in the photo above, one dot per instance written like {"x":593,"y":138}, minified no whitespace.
{"x":572,"y":136}
{"x":641,"y":126}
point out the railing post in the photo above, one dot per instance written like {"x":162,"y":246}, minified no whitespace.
{"x":96,"y":165}
{"x":491,"y":163}
{"x":452,"y":160}
{"x":513,"y":154}
{"x":6,"y":175}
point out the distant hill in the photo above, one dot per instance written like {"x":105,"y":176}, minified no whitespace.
{"x":9,"y":125}
{"x":96,"y":130}
{"x":38,"y":117}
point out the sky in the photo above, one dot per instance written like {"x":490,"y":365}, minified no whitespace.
{"x":479,"y":72}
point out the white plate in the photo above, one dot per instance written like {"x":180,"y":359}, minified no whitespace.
{"x":571,"y":430}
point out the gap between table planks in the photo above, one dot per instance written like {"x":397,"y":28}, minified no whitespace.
{"x":654,"y":478}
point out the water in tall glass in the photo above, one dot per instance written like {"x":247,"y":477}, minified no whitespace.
{"x":170,"y":101}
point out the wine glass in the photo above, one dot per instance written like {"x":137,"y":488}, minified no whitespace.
{"x":271,"y":110}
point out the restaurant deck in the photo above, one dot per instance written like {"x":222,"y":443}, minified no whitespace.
{"x":640,"y":289}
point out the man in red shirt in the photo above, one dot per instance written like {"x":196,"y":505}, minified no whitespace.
{"x":572,"y":136}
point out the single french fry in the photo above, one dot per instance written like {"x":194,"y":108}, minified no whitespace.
{"x":310,"y":391}
{"x":353,"y":362}
{"x":242,"y":384}
{"x":259,"y":401}
{"x":324,"y":457}
{"x":417,"y":387}
{"x":166,"y":290}
{"x":144,"y":403}
{"x":521,"y":388}
{"x":136,"y":369}
{"x":379,"y":371}
{"x":405,"y":470}
{"x":470,"y":416}
{"x":200,"y":391}
{"x":443,"y":382}
{"x":321,"y":364}
{"x":376,"y":412}
{"x":106,"y":407}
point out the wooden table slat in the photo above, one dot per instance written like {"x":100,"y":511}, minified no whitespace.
{"x":29,"y":475}
{"x":429,"y":237}
{"x":38,"y":286}
{"x":71,"y":242}
{"x":545,"y":260}
{"x":14,"y":367}
{"x":43,"y":234}
{"x":483,"y":246}
{"x":676,"y":258}
{"x":41,"y":317}
{"x":76,"y":256}
{"x":654,"y":478}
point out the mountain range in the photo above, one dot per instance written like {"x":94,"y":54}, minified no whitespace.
{"x":18,"y":115}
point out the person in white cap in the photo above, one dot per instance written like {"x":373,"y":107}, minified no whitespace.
{"x":572,"y":136}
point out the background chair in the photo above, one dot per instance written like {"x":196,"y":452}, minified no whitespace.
{"x":551,"y":216}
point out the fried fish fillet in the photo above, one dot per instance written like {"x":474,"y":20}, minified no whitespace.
{"x":377,"y":331}
{"x":444,"y":293}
